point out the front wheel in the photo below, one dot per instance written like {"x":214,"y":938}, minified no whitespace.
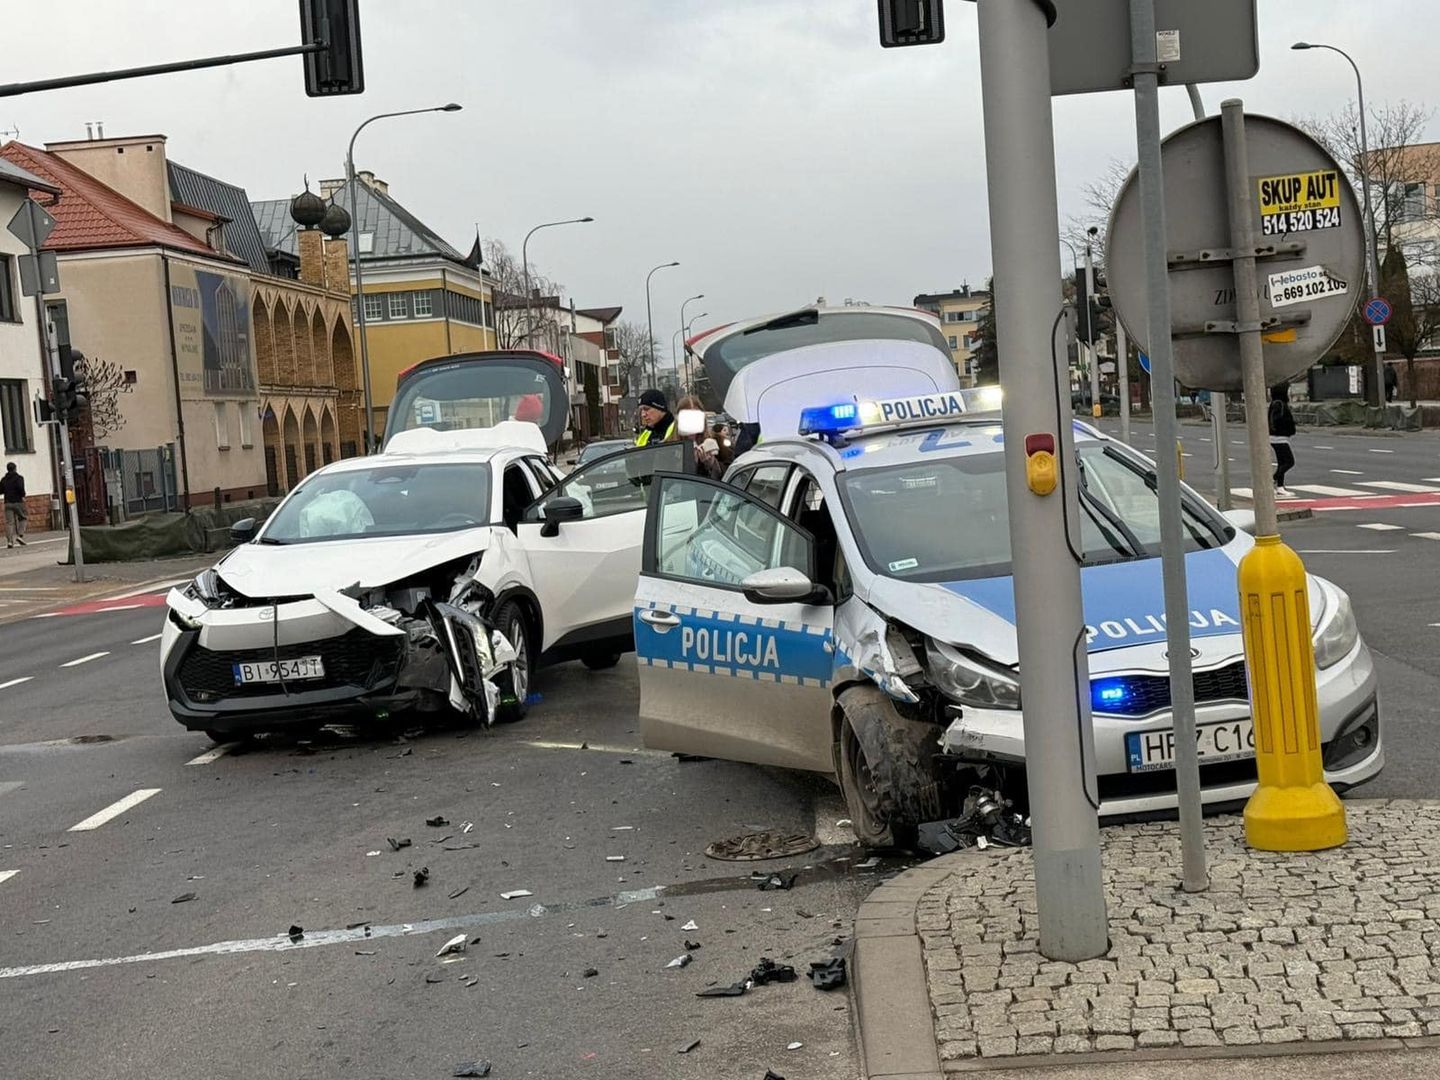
{"x":887,"y":769}
{"x":514,"y":683}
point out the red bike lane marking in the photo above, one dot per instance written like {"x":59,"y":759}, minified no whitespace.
{"x":96,"y":607}
{"x":1374,"y":502}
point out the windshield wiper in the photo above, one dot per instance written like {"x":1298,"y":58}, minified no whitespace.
{"x":270,"y":540}
{"x":1094,"y":506}
{"x":803,"y":317}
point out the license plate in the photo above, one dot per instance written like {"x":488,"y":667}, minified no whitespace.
{"x":1148,"y":751}
{"x":271,"y":671}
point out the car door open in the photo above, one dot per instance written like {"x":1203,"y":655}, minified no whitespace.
{"x":733,"y":637}
{"x":583,"y":540}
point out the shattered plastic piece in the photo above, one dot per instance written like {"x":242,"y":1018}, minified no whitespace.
{"x":437,"y":822}
{"x":782,"y":880}
{"x":536,"y":910}
{"x":767,"y":971}
{"x":466,"y":826}
{"x":771,"y":1074}
{"x":691,"y":1045}
{"x":828,"y":974}
{"x":455,"y":945}
{"x":472,"y":1068}
{"x":469,"y":981}
{"x":295,"y":933}
{"x":422,"y":876}
{"x":455,"y":894}
{"x":515,"y":894}
{"x":844,"y":823}
{"x":183,"y":898}
{"x":804,"y":914}
{"x":868,"y":864}
{"x":762,"y":844}
{"x":985,"y":819}
{"x":371,"y":854}
{"x":433,"y":979}
{"x":590,"y":973}
{"x":690,"y":926}
{"x":794,"y":1046}
{"x":691,"y":946}
{"x":396,"y":845}
{"x":683,"y":960}
{"x":614,"y":858}
{"x":733,"y":990}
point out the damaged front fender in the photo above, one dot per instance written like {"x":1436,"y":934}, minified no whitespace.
{"x":870,"y":647}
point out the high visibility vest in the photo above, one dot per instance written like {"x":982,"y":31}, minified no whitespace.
{"x":643,"y":439}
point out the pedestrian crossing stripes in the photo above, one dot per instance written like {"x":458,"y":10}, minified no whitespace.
{"x":1399,"y":485}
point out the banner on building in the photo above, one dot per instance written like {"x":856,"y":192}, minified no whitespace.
{"x":210,"y":316}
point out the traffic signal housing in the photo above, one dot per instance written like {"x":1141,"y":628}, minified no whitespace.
{"x":68,"y":389}
{"x":911,"y":22}
{"x":337,"y":68}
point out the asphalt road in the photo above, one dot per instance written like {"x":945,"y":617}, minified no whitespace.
{"x":103,"y":973}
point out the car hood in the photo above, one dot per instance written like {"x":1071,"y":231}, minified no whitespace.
{"x":1124,"y":609}
{"x":262,"y":571}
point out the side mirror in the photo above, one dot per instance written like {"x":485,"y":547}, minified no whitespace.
{"x":244,"y":530}
{"x":783,"y":585}
{"x":561,"y":508}
{"x":1244,"y":520}
{"x":690,"y":422}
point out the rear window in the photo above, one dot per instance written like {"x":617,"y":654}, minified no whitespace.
{"x":729,"y":355}
{"x":476,"y":394}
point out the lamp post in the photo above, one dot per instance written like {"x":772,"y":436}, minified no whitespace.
{"x":689,"y":376}
{"x":687,"y":303}
{"x":1081,"y":354}
{"x":1374,"y":240}
{"x":525,"y":265}
{"x":355,"y":255}
{"x":650,"y":318}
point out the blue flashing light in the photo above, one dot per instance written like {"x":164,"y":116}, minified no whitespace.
{"x":1109,"y":695}
{"x":827,"y":420}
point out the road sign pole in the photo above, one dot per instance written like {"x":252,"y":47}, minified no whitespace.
{"x":1293,"y":809}
{"x":68,"y":497}
{"x":1050,"y":622}
{"x":1122,"y":371}
{"x":1194,"y":877}
{"x":1090,"y":348}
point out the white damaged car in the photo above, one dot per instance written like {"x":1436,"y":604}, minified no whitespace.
{"x":436,"y":576}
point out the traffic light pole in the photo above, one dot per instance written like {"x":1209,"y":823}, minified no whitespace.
{"x":1041,"y":480}
{"x":71,"y":503}
{"x":1091,"y":349}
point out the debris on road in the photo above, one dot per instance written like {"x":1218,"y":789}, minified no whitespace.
{"x":295,"y":933}
{"x":614,"y":858}
{"x":733,"y":990}
{"x":771,"y":1074}
{"x":433,"y":979}
{"x":828,"y":974}
{"x":183,"y":898}
{"x":781,"y":880}
{"x":691,"y":946}
{"x":396,"y":845}
{"x":466,"y":826}
{"x":456,"y":944}
{"x":437,"y":822}
{"x":371,"y":854}
{"x":455,"y":894}
{"x":690,"y":926}
{"x":515,"y":894}
{"x":536,"y":910}
{"x":683,"y":960}
{"x":590,"y":973}
{"x":795,"y":1046}
{"x":985,"y":818}
{"x":765,"y":844}
{"x":472,"y":1068}
{"x":869,"y":864}
{"x":844,"y":823}
{"x":767,"y":971}
{"x":691,"y":1045}
{"x":422,"y":876}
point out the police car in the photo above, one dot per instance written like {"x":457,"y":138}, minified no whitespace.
{"x":842,"y":602}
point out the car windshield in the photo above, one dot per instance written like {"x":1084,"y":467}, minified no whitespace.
{"x":387,"y":500}
{"x":948,"y":519}
{"x":807,"y":327}
{"x":597,"y":450}
{"x":473,"y":394}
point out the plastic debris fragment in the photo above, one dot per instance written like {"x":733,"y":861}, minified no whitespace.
{"x":515,"y":894}
{"x":456,"y":944}
{"x":472,"y":1069}
{"x":828,"y":974}
{"x":683,"y":960}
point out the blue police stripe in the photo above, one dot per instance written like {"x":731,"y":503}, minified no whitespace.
{"x":723,"y":643}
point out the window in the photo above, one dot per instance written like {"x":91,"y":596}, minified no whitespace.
{"x":399,"y":308}
{"x":954,"y":316}
{"x":222,"y":425}
{"x":247,"y":438}
{"x":954,"y":342}
{"x":8,"y":312}
{"x":374,"y":308}
{"x":708,"y":532}
{"x":422,"y":304}
{"x":619,"y":483}
{"x":767,"y":483}
{"x":59,"y":314}
{"x":488,"y":314}
{"x":15,"y":416}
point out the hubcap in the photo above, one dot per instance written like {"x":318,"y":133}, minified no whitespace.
{"x":520,"y":677}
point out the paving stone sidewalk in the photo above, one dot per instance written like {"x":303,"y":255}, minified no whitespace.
{"x":1338,"y":945}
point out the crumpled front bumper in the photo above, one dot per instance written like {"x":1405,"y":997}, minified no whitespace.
{"x":1348,"y":702}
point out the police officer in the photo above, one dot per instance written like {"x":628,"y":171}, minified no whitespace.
{"x":657,"y":423}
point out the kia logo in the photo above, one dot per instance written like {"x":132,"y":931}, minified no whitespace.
{"x":1194,"y":654}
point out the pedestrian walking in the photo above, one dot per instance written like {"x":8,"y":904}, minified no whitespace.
{"x":1392,"y":382}
{"x":1282,"y":427}
{"x":657,"y":422}
{"x":12,"y":487}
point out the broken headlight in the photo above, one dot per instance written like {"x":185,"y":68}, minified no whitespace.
{"x":1337,"y":635}
{"x":206,"y":588}
{"x":969,"y":680}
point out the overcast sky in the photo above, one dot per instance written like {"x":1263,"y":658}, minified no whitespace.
{"x":771,"y":146}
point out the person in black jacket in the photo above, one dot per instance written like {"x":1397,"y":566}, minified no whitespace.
{"x":1282,"y":426}
{"x":12,"y":487}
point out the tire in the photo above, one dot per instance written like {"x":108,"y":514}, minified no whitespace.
{"x":600,"y":661}
{"x":511,"y":620}
{"x":887,"y":770}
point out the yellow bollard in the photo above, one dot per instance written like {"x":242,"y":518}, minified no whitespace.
{"x":1180,"y":459}
{"x":1293,"y":809}
{"x":1095,"y":410}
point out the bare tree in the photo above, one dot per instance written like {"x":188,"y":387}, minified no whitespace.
{"x":105,"y":382}
{"x":633,"y":343}
{"x":518,"y":321}
{"x":1100,"y":195}
{"x":1415,"y":299}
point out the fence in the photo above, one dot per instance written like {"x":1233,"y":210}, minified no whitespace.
{"x":147,"y":478}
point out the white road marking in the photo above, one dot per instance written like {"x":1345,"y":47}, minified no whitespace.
{"x":213,"y":754}
{"x":84,"y":659}
{"x":10,"y":785}
{"x":15,"y":682}
{"x":1380,"y":526}
{"x":1375,"y":450}
{"x":1324,"y":489}
{"x":114,"y":810}
{"x":6,"y":875}
{"x":1399,"y":485}
{"x":1431,"y":479}
{"x":316,"y":938}
{"x":30,"y":588}
{"x":601,"y":748}
{"x":1426,"y":536}
{"x":1244,"y":493}
{"x":1322,"y":448}
{"x":144,"y":590}
{"x":1348,"y":472}
{"x":1347,"y":551}
{"x":147,"y":640}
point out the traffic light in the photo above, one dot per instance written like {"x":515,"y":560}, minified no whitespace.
{"x":911,"y":22}
{"x":337,"y":68}
{"x":68,"y":389}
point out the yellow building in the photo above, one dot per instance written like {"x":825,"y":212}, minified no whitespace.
{"x":423,"y":298}
{"x":959,"y":313}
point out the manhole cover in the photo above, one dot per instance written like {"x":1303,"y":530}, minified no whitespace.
{"x":752,"y":847}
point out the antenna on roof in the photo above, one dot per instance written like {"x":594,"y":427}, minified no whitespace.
{"x":100,"y":129}
{"x":90,"y":130}
{"x":10,"y":133}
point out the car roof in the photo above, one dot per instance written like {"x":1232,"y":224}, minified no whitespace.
{"x":706,"y":338}
{"x":479,"y":456}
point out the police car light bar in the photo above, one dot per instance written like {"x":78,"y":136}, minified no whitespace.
{"x":829,"y":421}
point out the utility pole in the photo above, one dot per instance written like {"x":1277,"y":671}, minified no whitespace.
{"x":1089,"y":322}
{"x":62,"y":416}
{"x":1040,"y":480}
{"x":1146,"y":68}
{"x":1122,"y":370}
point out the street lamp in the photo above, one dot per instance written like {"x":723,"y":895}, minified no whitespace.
{"x":355,"y":255}
{"x":1374,"y":241}
{"x":525,"y":265}
{"x":689,"y":375}
{"x":650,"y":318}
{"x":687,"y":303}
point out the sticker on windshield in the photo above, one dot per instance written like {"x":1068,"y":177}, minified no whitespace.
{"x":903,"y":564}
{"x":1309,"y":283}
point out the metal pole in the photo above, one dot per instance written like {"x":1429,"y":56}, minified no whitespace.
{"x":1122,"y":370}
{"x":1194,"y":877}
{"x":1090,"y":349}
{"x":525,"y":265}
{"x":1050,"y":623}
{"x":13,"y":89}
{"x":52,"y":365}
{"x":650,"y":322}
{"x":1374,"y":245}
{"x":1219,"y":406}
